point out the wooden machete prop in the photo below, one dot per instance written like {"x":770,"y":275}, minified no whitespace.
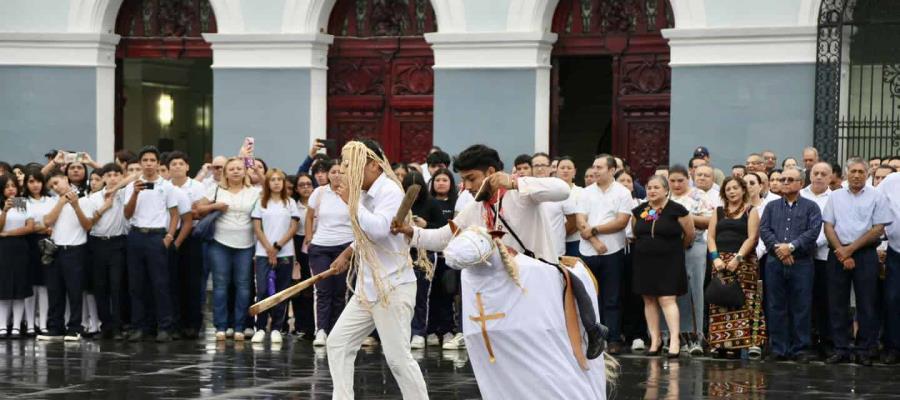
{"x":292,"y":291}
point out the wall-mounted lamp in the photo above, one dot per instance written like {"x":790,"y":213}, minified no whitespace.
{"x":166,"y":109}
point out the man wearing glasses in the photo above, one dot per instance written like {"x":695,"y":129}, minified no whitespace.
{"x":855,"y":218}
{"x":755,"y":163}
{"x":771,"y":160}
{"x":210,"y":174}
{"x":789,"y":229}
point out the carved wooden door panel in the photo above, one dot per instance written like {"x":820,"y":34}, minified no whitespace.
{"x":380,"y":77}
{"x":629,"y":32}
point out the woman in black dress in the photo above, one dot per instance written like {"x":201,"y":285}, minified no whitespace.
{"x":662,"y":230}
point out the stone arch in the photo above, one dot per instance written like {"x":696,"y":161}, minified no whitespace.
{"x":311,"y":16}
{"x":99,"y":16}
{"x":537,"y":15}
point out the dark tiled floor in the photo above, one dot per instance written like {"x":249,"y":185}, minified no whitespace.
{"x":111,"y":370}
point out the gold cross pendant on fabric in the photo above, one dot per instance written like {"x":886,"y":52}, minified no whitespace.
{"x":482,"y":319}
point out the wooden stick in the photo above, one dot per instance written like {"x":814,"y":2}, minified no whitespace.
{"x":285,"y":294}
{"x":411,"y":193}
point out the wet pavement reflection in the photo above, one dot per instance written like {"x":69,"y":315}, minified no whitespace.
{"x":297,"y":370}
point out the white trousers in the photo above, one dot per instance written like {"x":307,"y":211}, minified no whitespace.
{"x":393,"y":323}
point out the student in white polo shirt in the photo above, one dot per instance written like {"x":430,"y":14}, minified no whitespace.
{"x":152,"y":209}
{"x":186,"y":263}
{"x":107,"y":244}
{"x":275,"y":221}
{"x":70,"y":222}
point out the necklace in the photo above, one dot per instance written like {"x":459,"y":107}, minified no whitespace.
{"x":651,"y":214}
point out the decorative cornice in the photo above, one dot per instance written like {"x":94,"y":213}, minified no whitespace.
{"x":58,"y":49}
{"x":742,"y":46}
{"x":491,"y":50}
{"x":270,"y":50}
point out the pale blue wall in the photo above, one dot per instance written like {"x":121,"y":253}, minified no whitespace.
{"x":272,"y":105}
{"x":34,"y":15}
{"x":737,"y":110}
{"x":43,"y":108}
{"x":735,"y":13}
{"x":491,"y":107}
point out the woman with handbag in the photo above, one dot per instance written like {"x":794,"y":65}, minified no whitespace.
{"x":733,"y":233}
{"x":231,"y":250}
{"x":39,"y":203}
{"x":662,"y":230}
{"x":328,"y":233}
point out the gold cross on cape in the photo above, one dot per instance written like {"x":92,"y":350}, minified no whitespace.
{"x":482,"y":319}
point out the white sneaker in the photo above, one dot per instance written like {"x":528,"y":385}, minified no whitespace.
{"x":321,"y":338}
{"x":258,"y":337}
{"x":72,"y":337}
{"x":220,"y":336}
{"x":49,"y":338}
{"x":696,"y":349}
{"x":248,"y":332}
{"x":458,"y":342}
{"x":229,"y":333}
{"x":370,"y":342}
{"x":238,"y":337}
{"x":447,"y":337}
{"x":638,"y":345}
{"x":417,"y":342}
{"x":433,"y":340}
{"x":275,"y":337}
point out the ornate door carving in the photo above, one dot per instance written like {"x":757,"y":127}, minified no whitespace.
{"x":380,"y":77}
{"x":629,"y":32}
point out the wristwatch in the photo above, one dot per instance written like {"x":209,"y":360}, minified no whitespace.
{"x":791,"y":247}
{"x":277,"y":246}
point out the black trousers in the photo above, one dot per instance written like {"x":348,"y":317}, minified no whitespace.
{"x":64,"y":281}
{"x":302,"y":304}
{"x":108,"y":269}
{"x":148,"y":272}
{"x":186,"y":285}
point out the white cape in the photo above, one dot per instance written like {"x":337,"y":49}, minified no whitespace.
{"x":533,"y":355}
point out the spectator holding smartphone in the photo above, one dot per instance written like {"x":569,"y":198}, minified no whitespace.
{"x":39,"y":204}
{"x":70,"y":221}
{"x":15,"y":285}
{"x":153,"y":212}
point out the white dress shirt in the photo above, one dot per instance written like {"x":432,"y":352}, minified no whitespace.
{"x":890,"y":189}
{"x":600,"y":207}
{"x":377,"y":208}
{"x":152,"y":207}
{"x":112,"y":222}
{"x":821,"y":200}
{"x":520,"y":209}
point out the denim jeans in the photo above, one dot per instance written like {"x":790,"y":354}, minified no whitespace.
{"x":789,"y":294}
{"x":283,"y":269}
{"x":230,"y":265}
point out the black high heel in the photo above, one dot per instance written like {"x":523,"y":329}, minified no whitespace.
{"x":673,"y":355}
{"x":654,"y":353}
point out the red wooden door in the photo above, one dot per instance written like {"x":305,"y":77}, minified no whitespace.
{"x":380,"y":77}
{"x":629,"y":32}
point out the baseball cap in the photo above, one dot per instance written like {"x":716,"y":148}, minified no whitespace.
{"x":701,"y":151}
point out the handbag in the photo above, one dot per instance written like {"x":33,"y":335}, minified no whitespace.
{"x":206,"y":228}
{"x":48,"y":251}
{"x":729,"y":295}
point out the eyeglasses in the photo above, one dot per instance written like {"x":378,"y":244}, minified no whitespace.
{"x":305,"y":185}
{"x":788,"y":180}
{"x":217,"y":167}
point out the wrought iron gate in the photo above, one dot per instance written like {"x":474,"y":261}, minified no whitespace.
{"x":857,"y":110}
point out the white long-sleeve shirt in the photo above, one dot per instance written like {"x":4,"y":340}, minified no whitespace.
{"x":377,"y":207}
{"x":520,"y":209}
{"x":821,"y":200}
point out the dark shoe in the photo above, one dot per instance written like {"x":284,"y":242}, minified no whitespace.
{"x":118,"y":336}
{"x":176,"y":335}
{"x":614,"y":348}
{"x":136,"y":336}
{"x":163,"y":337}
{"x":106,"y":334}
{"x":597,"y":341}
{"x":778,"y":358}
{"x":673,"y":355}
{"x":891,"y":358}
{"x":864,"y":360}
{"x":802,"y":358}
{"x":190,"y":334}
{"x":837,"y":359}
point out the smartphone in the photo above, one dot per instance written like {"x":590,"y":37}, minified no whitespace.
{"x":149,"y":185}
{"x":328,"y":144}
{"x":80,"y":157}
{"x":249,"y":141}
{"x":69,"y":157}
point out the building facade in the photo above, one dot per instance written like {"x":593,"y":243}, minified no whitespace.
{"x":646,"y":79}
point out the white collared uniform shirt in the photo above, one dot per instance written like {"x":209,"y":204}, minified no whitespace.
{"x":152,"y":207}
{"x":276,"y":221}
{"x":890,"y":190}
{"x":67,"y":231}
{"x":112,"y":222}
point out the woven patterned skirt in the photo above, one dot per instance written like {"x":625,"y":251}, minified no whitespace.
{"x":742,"y":327}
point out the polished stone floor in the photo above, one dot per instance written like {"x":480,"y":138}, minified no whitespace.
{"x":296,"y":370}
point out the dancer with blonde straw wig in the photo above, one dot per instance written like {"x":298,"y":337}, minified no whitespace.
{"x":385,"y":288}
